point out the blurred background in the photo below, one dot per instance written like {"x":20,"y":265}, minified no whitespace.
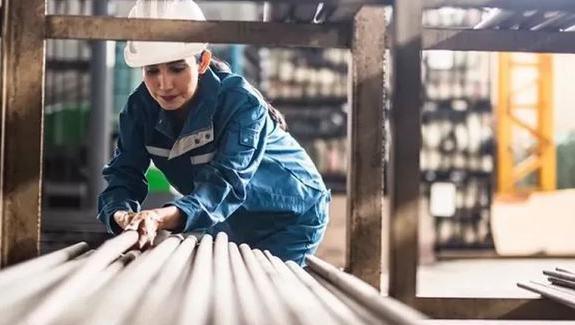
{"x":498,"y":131}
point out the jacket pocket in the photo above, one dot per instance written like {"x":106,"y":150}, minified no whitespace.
{"x":249,"y":137}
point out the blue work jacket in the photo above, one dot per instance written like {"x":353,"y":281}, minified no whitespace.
{"x":230,"y":158}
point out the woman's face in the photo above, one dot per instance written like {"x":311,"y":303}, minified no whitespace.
{"x":172,"y":84}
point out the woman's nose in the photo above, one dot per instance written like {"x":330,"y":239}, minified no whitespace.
{"x":165,"y":81}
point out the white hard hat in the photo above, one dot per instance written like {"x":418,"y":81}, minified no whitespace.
{"x":139,"y":54}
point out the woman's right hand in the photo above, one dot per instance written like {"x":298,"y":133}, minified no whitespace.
{"x":145,"y":222}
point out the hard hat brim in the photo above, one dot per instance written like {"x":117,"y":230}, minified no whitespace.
{"x":157,"y":53}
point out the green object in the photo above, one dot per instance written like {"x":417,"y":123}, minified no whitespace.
{"x":566,"y":162}
{"x":157,"y":181}
{"x":66,"y":125}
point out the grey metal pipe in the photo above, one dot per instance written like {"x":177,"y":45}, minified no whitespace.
{"x":126,"y":290}
{"x":550,"y":292}
{"x":199,"y":285}
{"x":386,"y":308}
{"x":277,"y":312}
{"x":224,"y":295}
{"x":158,"y":305}
{"x":563,"y":270}
{"x":366,"y":316}
{"x":496,"y":16}
{"x":176,"y":283}
{"x":26,"y":269}
{"x":42,"y":280}
{"x":85,"y":301}
{"x":129,"y":256}
{"x":285,"y":291}
{"x":307,"y":303}
{"x":17,"y":299}
{"x":560,"y":274}
{"x":552,"y":23}
{"x":337,"y":308}
{"x":264,"y":262}
{"x":562,"y":282}
{"x":250,"y":303}
{"x":54,"y":304}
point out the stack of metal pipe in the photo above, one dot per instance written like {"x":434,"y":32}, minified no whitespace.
{"x":561,"y":286}
{"x":186,"y":281}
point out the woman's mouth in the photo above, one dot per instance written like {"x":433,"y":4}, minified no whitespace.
{"x":168,"y":98}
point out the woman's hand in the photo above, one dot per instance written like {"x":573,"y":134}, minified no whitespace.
{"x":148,"y":222}
{"x":124,"y":218}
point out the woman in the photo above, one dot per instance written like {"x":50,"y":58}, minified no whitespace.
{"x":218,"y":143}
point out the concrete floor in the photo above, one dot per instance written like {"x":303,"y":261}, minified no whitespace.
{"x":456,"y":278}
{"x":485,"y":278}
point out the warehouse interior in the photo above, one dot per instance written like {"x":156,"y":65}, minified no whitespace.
{"x":448,"y":146}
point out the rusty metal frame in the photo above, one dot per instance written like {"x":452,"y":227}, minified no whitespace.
{"x":403,"y":171}
{"x":336,"y":35}
{"x":21,"y":138}
{"x":498,"y":40}
{"x":365,"y":130}
{"x":22,"y":112}
{"x":405,"y":143}
{"x":548,"y":5}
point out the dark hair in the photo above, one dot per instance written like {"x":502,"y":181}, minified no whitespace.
{"x":219,"y":65}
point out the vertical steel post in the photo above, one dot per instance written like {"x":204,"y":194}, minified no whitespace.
{"x":405,"y":127}
{"x":100,"y":127}
{"x":365,"y":130}
{"x":21,"y":137}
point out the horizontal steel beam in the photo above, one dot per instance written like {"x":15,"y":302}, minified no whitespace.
{"x":433,"y":4}
{"x":524,"y":5}
{"x":308,"y":2}
{"x":549,"y":5}
{"x":296,"y":35}
{"x":498,"y":40}
{"x":335,"y":35}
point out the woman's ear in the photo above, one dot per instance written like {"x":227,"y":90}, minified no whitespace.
{"x":205,"y":60}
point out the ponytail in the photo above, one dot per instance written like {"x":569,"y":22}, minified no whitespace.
{"x":219,"y":65}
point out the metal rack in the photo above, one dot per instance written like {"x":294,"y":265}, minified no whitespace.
{"x":22,"y":106}
{"x":498,"y":37}
{"x":23,"y":51}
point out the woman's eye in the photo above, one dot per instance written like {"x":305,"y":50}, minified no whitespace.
{"x":177,"y":69}
{"x":152,"y":71}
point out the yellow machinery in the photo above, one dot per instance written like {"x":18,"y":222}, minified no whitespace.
{"x":526,"y":154}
